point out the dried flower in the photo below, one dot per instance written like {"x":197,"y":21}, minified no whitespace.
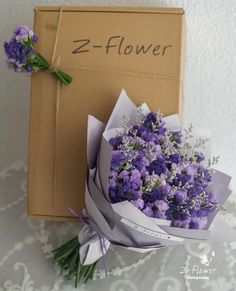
{"x":155,"y":169}
{"x":22,"y":57}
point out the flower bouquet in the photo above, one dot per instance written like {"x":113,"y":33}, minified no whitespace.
{"x":22,"y":57}
{"x":149,"y":185}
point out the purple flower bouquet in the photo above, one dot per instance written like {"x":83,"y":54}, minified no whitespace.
{"x":149,"y":185}
{"x":22,"y":57}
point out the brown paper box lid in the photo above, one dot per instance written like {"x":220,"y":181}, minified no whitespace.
{"x":92,"y":47}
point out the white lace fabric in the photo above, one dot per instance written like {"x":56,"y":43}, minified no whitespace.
{"x":26,"y":251}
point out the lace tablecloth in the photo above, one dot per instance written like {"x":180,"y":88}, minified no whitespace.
{"x":26,"y":249}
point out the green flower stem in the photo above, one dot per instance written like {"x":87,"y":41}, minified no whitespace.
{"x":68,"y":258}
{"x":41,"y":63}
{"x":63,"y":77}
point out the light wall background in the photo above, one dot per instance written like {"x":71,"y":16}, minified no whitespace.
{"x":209,"y":83}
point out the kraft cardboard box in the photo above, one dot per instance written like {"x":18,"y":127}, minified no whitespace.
{"x":104,"y":50}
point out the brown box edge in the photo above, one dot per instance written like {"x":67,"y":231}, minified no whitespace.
{"x":114,"y":9}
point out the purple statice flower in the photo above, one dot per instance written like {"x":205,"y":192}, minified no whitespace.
{"x":135,"y":177}
{"x":139,"y":203}
{"x":116,"y":141}
{"x":150,"y":119}
{"x":127,"y":187}
{"x":180,"y":196}
{"x":112,"y":179}
{"x":186,"y":175}
{"x":158,"y":166}
{"x":148,"y":135}
{"x":22,"y":57}
{"x":175,"y":158}
{"x":150,"y":169}
{"x":140,"y":162}
{"x":158,"y":192}
{"x":199,"y":157}
{"x":188,"y":172}
{"x":198,"y":222}
{"x":18,"y":56}
{"x":159,"y":209}
{"x":148,"y":211}
{"x":181,"y":223}
{"x":20,"y":52}
{"x":23,"y":34}
{"x":118,"y":159}
{"x":176,"y":136}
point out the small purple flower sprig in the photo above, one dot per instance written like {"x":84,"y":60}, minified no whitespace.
{"x":22,"y":57}
{"x":155,"y":169}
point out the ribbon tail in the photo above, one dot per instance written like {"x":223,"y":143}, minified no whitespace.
{"x":92,"y":246}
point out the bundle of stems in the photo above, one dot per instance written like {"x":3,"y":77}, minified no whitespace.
{"x":41,"y":63}
{"x":68,"y":258}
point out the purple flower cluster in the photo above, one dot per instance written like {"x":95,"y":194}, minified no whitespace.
{"x":22,"y":57}
{"x":151,"y":169}
{"x":20,"y":52}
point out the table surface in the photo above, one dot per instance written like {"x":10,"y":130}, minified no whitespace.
{"x":26,"y":250}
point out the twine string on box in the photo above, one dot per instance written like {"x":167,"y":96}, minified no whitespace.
{"x":55,"y":67}
{"x":127,"y":73}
